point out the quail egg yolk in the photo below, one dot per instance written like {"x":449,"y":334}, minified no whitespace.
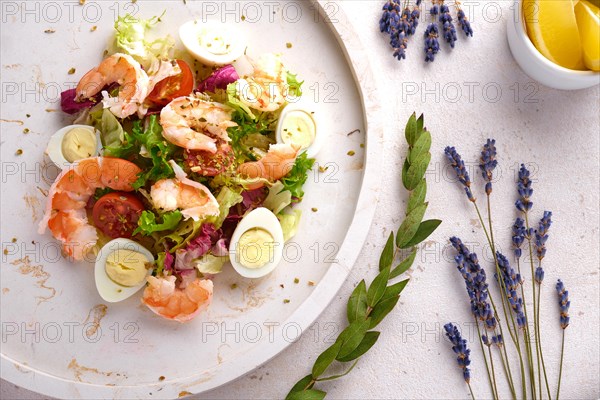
{"x":78,"y":143}
{"x":214,"y":42}
{"x":126,"y":267}
{"x":255,"y":248}
{"x":298,"y":128}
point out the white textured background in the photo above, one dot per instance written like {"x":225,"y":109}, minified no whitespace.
{"x":556,"y":131}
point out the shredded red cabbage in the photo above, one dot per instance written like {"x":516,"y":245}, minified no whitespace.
{"x":197,"y":247}
{"x":70,"y":106}
{"x":219,"y":79}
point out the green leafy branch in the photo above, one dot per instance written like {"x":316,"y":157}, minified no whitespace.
{"x":368,"y":306}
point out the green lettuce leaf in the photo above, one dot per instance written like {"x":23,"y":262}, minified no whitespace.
{"x":209,"y":264}
{"x":130,"y":38}
{"x":226,"y":198}
{"x":289,"y":223}
{"x":148,"y":224}
{"x":296,"y":178}
{"x":158,"y":149}
{"x":234,"y":102}
{"x":278,"y":198}
{"x":294,"y":87}
{"x":112,"y":134}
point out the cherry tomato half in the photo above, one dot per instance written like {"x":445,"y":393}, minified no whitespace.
{"x":173,"y":86}
{"x":116,"y":214}
{"x":206,"y":163}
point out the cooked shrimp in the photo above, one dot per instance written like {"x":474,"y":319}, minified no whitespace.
{"x":65,"y":210}
{"x":191,"y":197}
{"x":265,"y":89}
{"x":195,"y":124}
{"x":170,"y":302}
{"x":276,"y":164}
{"x":123,"y":70}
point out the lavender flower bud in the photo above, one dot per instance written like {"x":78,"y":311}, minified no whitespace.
{"x":447,"y":25}
{"x":539,"y":275}
{"x":563,"y":303}
{"x":525,"y":190}
{"x":464,"y":23}
{"x":541,"y":235}
{"x":459,"y":167}
{"x":459,"y":346}
{"x":432,"y":46}
{"x":518,"y":238}
{"x":487,"y":163}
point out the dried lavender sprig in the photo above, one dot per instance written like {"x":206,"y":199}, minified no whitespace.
{"x":461,"y":172}
{"x":524,"y":203}
{"x":512,"y":281}
{"x":464,"y":23}
{"x":459,"y":346}
{"x":390,"y":16}
{"x":447,"y":25}
{"x":432,"y":45}
{"x":518,"y":237}
{"x":541,"y":235}
{"x":487,"y":163}
{"x":563,"y":303}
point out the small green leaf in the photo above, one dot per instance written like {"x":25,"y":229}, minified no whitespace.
{"x":420,"y":123}
{"x":387,"y":303}
{"x":417,"y":196}
{"x":405,"y":168}
{"x":416,"y":171}
{"x":421,"y":147}
{"x":411,"y":130}
{"x":404,"y":265}
{"x":304,"y":383}
{"x":364,"y":346}
{"x":357,"y":304}
{"x":351,"y":337}
{"x":382,"y":309}
{"x":325,"y":359}
{"x":410,"y":225}
{"x":311,"y":394}
{"x":387,"y":255}
{"x":425,"y":229}
{"x":394,"y":290}
{"x":377,"y":287}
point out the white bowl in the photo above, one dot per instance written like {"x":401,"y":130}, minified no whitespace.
{"x":539,"y":67}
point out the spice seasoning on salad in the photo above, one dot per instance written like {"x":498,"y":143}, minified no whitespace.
{"x":288,"y":45}
{"x":49,"y":31}
{"x":71,"y":71}
{"x":26,"y":131}
{"x":314,"y":209}
{"x":286,"y":301}
{"x":296,"y":280}
{"x":93,"y":28}
{"x":19,"y":152}
{"x":351,"y":153}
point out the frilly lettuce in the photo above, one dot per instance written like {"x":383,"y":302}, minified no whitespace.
{"x":147,"y":224}
{"x":210,"y":264}
{"x":296,"y":178}
{"x":111,"y":131}
{"x":226,"y":198}
{"x":130,"y":37}
{"x":278,"y":198}
{"x":289,"y":223}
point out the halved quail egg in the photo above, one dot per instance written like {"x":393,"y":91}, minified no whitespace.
{"x":121,"y":269}
{"x":73,"y":143}
{"x":298,"y":125}
{"x":212,"y":43}
{"x":257,"y":244}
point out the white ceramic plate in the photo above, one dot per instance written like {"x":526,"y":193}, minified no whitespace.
{"x":58,"y":337}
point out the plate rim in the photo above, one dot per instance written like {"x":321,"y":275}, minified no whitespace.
{"x":309,"y":311}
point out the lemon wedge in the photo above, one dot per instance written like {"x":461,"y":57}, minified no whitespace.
{"x":588,"y":22}
{"x":552,"y":27}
